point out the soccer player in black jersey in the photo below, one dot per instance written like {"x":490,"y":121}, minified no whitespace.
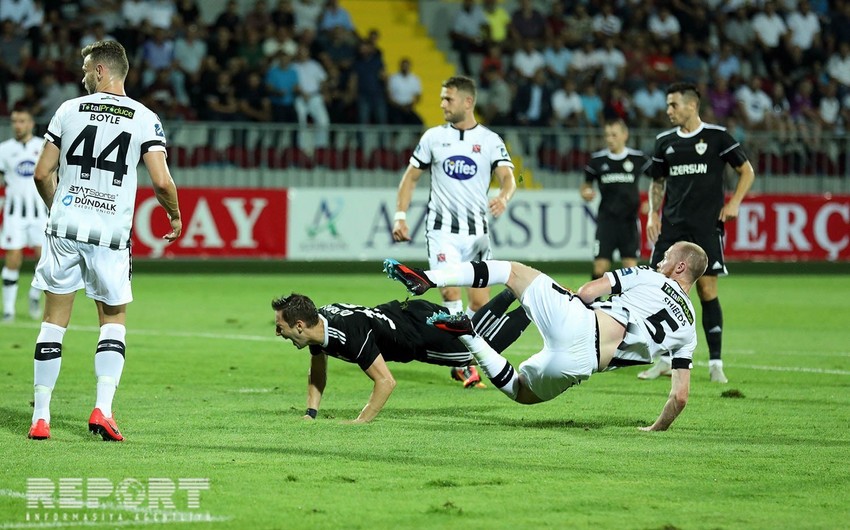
{"x":688,"y":163}
{"x":394,"y":331}
{"x":616,"y":171}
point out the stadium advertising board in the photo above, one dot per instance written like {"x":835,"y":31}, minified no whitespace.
{"x":217,"y":223}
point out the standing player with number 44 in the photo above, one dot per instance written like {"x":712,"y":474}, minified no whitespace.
{"x":93,"y":144}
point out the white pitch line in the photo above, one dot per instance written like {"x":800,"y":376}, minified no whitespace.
{"x":798,"y":369}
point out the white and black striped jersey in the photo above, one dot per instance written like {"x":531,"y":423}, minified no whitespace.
{"x":17,"y":164}
{"x":461,"y":163}
{"x":397,"y":331}
{"x":693,"y":165}
{"x":618,"y":177}
{"x":658,"y":316}
{"x":102,"y":138}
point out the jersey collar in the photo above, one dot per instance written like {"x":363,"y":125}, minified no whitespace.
{"x":691,"y":134}
{"x":618,"y":156}
{"x":325,"y":339}
{"x":462,"y":131}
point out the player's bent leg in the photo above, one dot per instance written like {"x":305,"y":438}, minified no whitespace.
{"x":497,"y":326}
{"x":525,"y":396}
{"x":600,"y":267}
{"x":477,"y":298}
{"x":629,"y":262}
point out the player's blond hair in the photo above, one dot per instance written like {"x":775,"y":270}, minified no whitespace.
{"x":694,"y":256}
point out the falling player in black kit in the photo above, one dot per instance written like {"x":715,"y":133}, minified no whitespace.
{"x":394,"y":331}
{"x":617,"y":171}
{"x":688,"y":164}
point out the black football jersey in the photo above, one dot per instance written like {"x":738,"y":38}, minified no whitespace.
{"x":396,"y":330}
{"x":693,"y":165}
{"x":617,"y":176}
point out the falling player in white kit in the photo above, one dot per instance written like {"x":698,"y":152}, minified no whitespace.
{"x":24,"y":213}
{"x":95,"y":143}
{"x":461,"y":155}
{"x":649,"y":315}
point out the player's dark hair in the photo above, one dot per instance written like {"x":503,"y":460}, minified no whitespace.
{"x":23,"y":109}
{"x":617,"y":121}
{"x":461,"y":83}
{"x":296,"y":307}
{"x":110,"y":53}
{"x":688,"y":90}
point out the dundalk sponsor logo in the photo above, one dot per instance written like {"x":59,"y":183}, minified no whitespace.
{"x":89,"y":500}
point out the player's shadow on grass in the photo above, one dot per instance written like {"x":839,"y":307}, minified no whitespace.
{"x":585,"y":424}
{"x":18,"y":420}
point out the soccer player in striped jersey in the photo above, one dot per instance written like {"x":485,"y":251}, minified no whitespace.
{"x":649,"y":314}
{"x":394,"y":331}
{"x":462,"y":155}
{"x":617,"y":171}
{"x":688,"y":165}
{"x":93,"y":144}
{"x":24,"y":213}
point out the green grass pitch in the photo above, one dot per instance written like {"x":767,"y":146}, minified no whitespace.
{"x":209,"y":392}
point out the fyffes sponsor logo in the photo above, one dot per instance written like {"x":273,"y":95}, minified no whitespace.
{"x":460,"y":167}
{"x":26,"y":169}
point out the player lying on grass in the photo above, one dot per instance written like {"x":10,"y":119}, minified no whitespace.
{"x":651,"y":314}
{"x":394,"y":331}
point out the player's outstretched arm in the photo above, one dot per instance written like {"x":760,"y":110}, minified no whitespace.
{"x":165,"y":190}
{"x":401,"y":232}
{"x":45,"y":172}
{"x":384,"y":385}
{"x":317,"y":378}
{"x":594,"y":289}
{"x":676,"y":401}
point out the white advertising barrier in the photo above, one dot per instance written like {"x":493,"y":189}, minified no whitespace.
{"x":350,"y":224}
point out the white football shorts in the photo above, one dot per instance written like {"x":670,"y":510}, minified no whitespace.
{"x":66,"y":266}
{"x":450,"y":249}
{"x":19,"y":233}
{"x":568,"y":327}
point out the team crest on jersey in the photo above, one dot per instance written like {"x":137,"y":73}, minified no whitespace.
{"x":628,"y":166}
{"x":441,"y":258}
{"x":476,"y":148}
{"x":157,"y":129}
{"x":701,"y":146}
{"x":605,"y":167}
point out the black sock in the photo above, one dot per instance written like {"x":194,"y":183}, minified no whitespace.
{"x":712,"y":324}
{"x":500,"y":330}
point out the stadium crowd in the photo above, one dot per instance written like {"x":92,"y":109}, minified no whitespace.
{"x":762,"y":66}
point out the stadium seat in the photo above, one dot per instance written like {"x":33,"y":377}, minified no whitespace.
{"x":294,"y":157}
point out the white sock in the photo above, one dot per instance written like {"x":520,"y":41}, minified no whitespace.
{"x":495,"y":367}
{"x":454,"y":306}
{"x":109,"y":364}
{"x":35,"y":294}
{"x":472,"y":274}
{"x":10,"y":289}
{"x":469,"y":312}
{"x":715,"y":362}
{"x":46,"y":366}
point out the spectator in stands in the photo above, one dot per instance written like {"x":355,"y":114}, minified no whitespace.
{"x":250,"y":51}
{"x":754,"y":104}
{"x":282,"y":84}
{"x":493,"y":60}
{"x":527,"y":61}
{"x":725,"y":63}
{"x":527,"y":23}
{"x":335,"y":16}
{"x":11,"y":43}
{"x":592,"y":105}
{"x":230,"y":19}
{"x":157,"y":54}
{"x":579,"y":27}
{"x":780,"y":115}
{"x":97,"y":32}
{"x":16,"y":11}
{"x":494,"y":98}
{"x":339,"y":49}
{"x":222,"y":47}
{"x":281,"y":42}
{"x":533,"y":103}
{"x":738,"y":29}
{"x":307,"y":14}
{"x":606,"y":23}
{"x":689,"y":64}
{"x":498,"y":21}
{"x":839,"y":23}
{"x":556,"y":23}
{"x":284,"y":15}
{"x":221,"y":104}
{"x":341,"y":96}
{"x":467,"y":33}
{"x":253,"y":99}
{"x":188,"y":12}
{"x":567,"y":106}
{"x":189,"y":53}
{"x":404,"y":89}
{"x":618,"y":105}
{"x":310,"y":99}
{"x":803,"y":27}
{"x":258,"y":20}
{"x":804,"y":113}
{"x":663,"y":26}
{"x":612,"y":62}
{"x":557,"y":57}
{"x":650,"y":103}
{"x":838,"y":66}
{"x":586,"y":62}
{"x":770,"y":32}
{"x":829,"y":108}
{"x":722,"y":100}
{"x":368,"y":79}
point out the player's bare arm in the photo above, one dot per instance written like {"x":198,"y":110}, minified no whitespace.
{"x":746,"y":177}
{"x":586,"y":191}
{"x":380,"y":373}
{"x":45,"y":172}
{"x":165,"y":190}
{"x":401,"y":232}
{"x":317,"y":378}
{"x":594,"y":289}
{"x":656,"y":198}
{"x":676,"y":401}
{"x":507,"y":187}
